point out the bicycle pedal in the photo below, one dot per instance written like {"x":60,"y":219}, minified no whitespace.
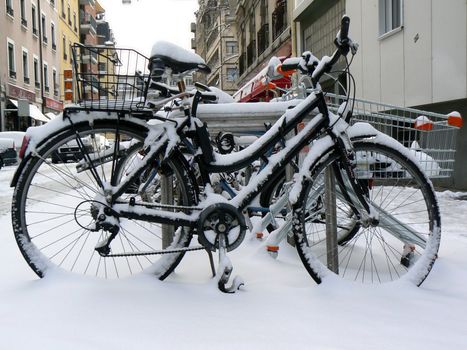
{"x":259,"y":235}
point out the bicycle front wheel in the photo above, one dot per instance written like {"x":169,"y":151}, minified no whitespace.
{"x":403,"y":240}
{"x":54,"y":203}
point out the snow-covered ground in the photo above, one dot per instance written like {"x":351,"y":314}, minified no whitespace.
{"x":280,"y":307}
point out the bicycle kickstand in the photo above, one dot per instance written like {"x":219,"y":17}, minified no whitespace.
{"x":224,"y":270}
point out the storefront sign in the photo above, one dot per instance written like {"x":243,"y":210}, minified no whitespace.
{"x":19,"y":93}
{"x":53,"y":104}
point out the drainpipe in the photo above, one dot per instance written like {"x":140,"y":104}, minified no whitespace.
{"x":41,"y":61}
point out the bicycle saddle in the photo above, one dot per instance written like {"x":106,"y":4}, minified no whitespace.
{"x":167,"y":55}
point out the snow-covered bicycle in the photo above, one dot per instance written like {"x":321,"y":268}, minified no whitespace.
{"x":85,"y":218}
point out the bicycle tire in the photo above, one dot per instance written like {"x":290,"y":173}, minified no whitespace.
{"x":399,"y":189}
{"x":47,"y":196}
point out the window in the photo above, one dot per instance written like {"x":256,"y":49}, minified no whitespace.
{"x":74,"y":22}
{"x":11,"y":59}
{"x":69,"y":15}
{"x":64,"y":47}
{"x":52,"y":35}
{"x":54,"y":81}
{"x":37,"y":80}
{"x":232,"y":74}
{"x":390,"y":15}
{"x":231,"y":47}
{"x":25,"y":66}
{"x":33,"y":19}
{"x":71,"y":54}
{"x":9,"y":8}
{"x":44,"y":32}
{"x":62,"y":5}
{"x":46,"y":78}
{"x":22,"y":8}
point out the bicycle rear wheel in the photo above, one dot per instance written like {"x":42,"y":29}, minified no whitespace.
{"x":402,"y":243}
{"x":53,"y":212}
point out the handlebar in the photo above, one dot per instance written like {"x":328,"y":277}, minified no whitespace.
{"x":308,"y":64}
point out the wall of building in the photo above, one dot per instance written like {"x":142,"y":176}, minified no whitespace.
{"x":421,"y":63}
{"x":69,"y":34}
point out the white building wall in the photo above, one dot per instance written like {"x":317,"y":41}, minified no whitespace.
{"x":423,"y":63}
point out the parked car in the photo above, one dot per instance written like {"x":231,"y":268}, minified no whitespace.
{"x":70,"y":151}
{"x":8,"y":154}
{"x":10,"y":142}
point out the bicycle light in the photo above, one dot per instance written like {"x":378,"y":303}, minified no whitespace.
{"x":24,"y":146}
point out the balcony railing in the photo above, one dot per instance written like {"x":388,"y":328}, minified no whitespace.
{"x":26,"y":80}
{"x":52,"y":3}
{"x":12,"y":74}
{"x":47,"y":89}
{"x":212,"y":37}
{"x":263,"y":38}
{"x":10,"y":11}
{"x":88,"y":23}
{"x":34,"y":31}
{"x":44,"y":39}
{"x":24,"y":22}
{"x":37,"y":85}
{"x":279,"y":19}
{"x":251,"y":53}
{"x":54,"y":46}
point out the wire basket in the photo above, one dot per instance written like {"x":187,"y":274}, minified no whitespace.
{"x":109,"y":78}
{"x":429,"y":136}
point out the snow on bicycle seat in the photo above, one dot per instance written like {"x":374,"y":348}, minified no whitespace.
{"x":167,"y":55}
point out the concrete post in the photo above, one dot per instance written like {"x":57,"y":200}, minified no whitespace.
{"x":331,"y":221}
{"x":167,"y":198}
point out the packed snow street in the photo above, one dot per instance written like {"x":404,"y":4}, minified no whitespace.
{"x":279,"y":306}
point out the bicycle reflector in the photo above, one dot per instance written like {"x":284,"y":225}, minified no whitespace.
{"x":24,"y":146}
{"x":423,"y":123}
{"x":455,"y":119}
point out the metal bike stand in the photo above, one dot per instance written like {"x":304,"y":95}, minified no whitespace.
{"x":331,"y":221}
{"x":167,"y":198}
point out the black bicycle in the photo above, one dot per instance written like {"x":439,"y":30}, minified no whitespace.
{"x":361,"y":207}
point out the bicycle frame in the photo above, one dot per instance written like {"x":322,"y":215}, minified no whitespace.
{"x":160,"y":143}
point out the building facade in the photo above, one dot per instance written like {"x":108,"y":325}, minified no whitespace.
{"x":263,"y":30}
{"x":69,"y":34}
{"x":215,"y":41}
{"x":29,"y":61}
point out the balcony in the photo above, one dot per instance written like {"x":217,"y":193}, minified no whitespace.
{"x":26,"y":80}
{"x":56,"y":92}
{"x":37,"y":85}
{"x":241,"y":64}
{"x":34,"y":31}
{"x":263,"y":38}
{"x":52,"y":3}
{"x":213,"y":35}
{"x":54,"y":46}
{"x":279,"y":19}
{"x":251,"y":53}
{"x":44,"y":39}
{"x":46,"y":89}
{"x":88,"y":24}
{"x":86,"y":2}
{"x":24,"y":22}
{"x":12,"y":74}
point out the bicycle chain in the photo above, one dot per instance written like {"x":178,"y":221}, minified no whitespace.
{"x":156,"y":252}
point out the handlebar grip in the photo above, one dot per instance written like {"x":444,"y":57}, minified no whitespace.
{"x":344,"y":32}
{"x":286,"y":69}
{"x":202,"y":86}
